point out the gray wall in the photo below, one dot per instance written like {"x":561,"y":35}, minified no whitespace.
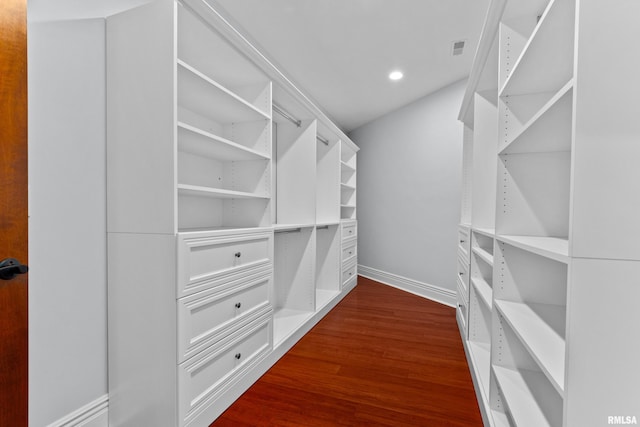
{"x":409,"y":184}
{"x":67,"y":218}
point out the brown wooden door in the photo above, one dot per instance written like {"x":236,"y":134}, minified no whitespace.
{"x":13,"y":212}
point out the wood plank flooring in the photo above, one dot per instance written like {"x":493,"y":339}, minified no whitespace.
{"x":382,"y":357}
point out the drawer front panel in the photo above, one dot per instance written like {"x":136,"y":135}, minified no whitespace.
{"x":208,"y":260}
{"x":463,"y":273}
{"x":349,"y":230}
{"x":464,"y":241}
{"x":203,"y":378}
{"x":348,"y":273}
{"x":205,"y":317}
{"x":463,"y":306}
{"x":349,"y":252}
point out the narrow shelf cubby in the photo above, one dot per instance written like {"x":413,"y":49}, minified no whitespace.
{"x":295,"y":172}
{"x":530,"y":295}
{"x":530,"y":399}
{"x":545,"y":62}
{"x":328,"y":281}
{"x":538,"y":122}
{"x":347,"y":182}
{"x":327,"y":180}
{"x":294,"y":280}
{"x":228,"y":68}
{"x":480,"y":337}
{"x":533,"y":194}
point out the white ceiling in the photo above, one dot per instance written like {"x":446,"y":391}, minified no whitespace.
{"x":340,"y":52}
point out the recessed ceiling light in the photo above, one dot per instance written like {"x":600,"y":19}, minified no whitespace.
{"x":396,"y":75}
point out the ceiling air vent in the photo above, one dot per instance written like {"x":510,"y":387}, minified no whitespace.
{"x":458,"y":47}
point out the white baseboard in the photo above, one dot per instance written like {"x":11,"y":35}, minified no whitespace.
{"x":435,"y":293}
{"x":93,"y":414}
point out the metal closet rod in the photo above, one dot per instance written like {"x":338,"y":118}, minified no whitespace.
{"x":286,"y":115}
{"x":295,"y":121}
{"x":289,"y":230}
{"x":323,"y":140}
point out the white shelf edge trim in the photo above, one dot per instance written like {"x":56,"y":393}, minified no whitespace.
{"x":483,"y":255}
{"x":93,"y":414}
{"x":434,"y":293}
{"x":485,"y":291}
{"x":489,"y":232}
{"x":196,"y":190}
{"x":222,"y":140}
{"x":554,"y":248}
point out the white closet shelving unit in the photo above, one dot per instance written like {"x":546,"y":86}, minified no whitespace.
{"x":224,"y":214}
{"x":554,"y":251}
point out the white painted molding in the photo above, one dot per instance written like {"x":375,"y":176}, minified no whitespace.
{"x":93,"y":414}
{"x":434,"y":293}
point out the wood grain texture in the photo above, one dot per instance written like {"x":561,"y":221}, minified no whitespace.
{"x":13,"y":211}
{"x":382,"y":357}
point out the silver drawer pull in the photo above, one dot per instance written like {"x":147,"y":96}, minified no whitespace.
{"x":238,"y":356}
{"x":238,"y":254}
{"x":238,"y":305}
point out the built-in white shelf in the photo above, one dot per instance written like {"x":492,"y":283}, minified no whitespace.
{"x":346,"y":168}
{"x":483,"y":255}
{"x":548,"y":54}
{"x":500,"y":419}
{"x":203,"y":143}
{"x":489,"y":232}
{"x":541,"y":329}
{"x":549,"y":247}
{"x":324,"y":297}
{"x":535,"y":136}
{"x":483,"y":290}
{"x":202,"y":95}
{"x":346,"y":187}
{"x":286,"y":321}
{"x":199,"y":191}
{"x":523,"y":390}
{"x":481,"y":354}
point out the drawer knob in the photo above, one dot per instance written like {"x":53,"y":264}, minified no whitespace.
{"x":461,"y":273}
{"x":238,"y":305}
{"x":461,"y":241}
{"x":238,"y":356}
{"x":350,"y":252}
{"x":238,"y":254}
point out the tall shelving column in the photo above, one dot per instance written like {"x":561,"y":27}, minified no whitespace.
{"x":532,"y":216}
{"x":328,"y":280}
{"x":565,"y":253}
{"x":476,"y":236}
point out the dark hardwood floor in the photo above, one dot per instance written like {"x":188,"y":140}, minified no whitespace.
{"x":382,"y":357}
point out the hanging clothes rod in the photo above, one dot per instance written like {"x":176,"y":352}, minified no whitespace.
{"x":288,"y":230}
{"x":286,"y":115}
{"x":323,"y":140}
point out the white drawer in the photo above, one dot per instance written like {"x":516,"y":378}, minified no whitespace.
{"x":207,"y":316}
{"x":349,"y":230}
{"x":209,"y":259}
{"x":463,"y":272}
{"x":464,"y":241}
{"x":349,"y":252}
{"x":203,"y":378}
{"x":349,"y":272}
